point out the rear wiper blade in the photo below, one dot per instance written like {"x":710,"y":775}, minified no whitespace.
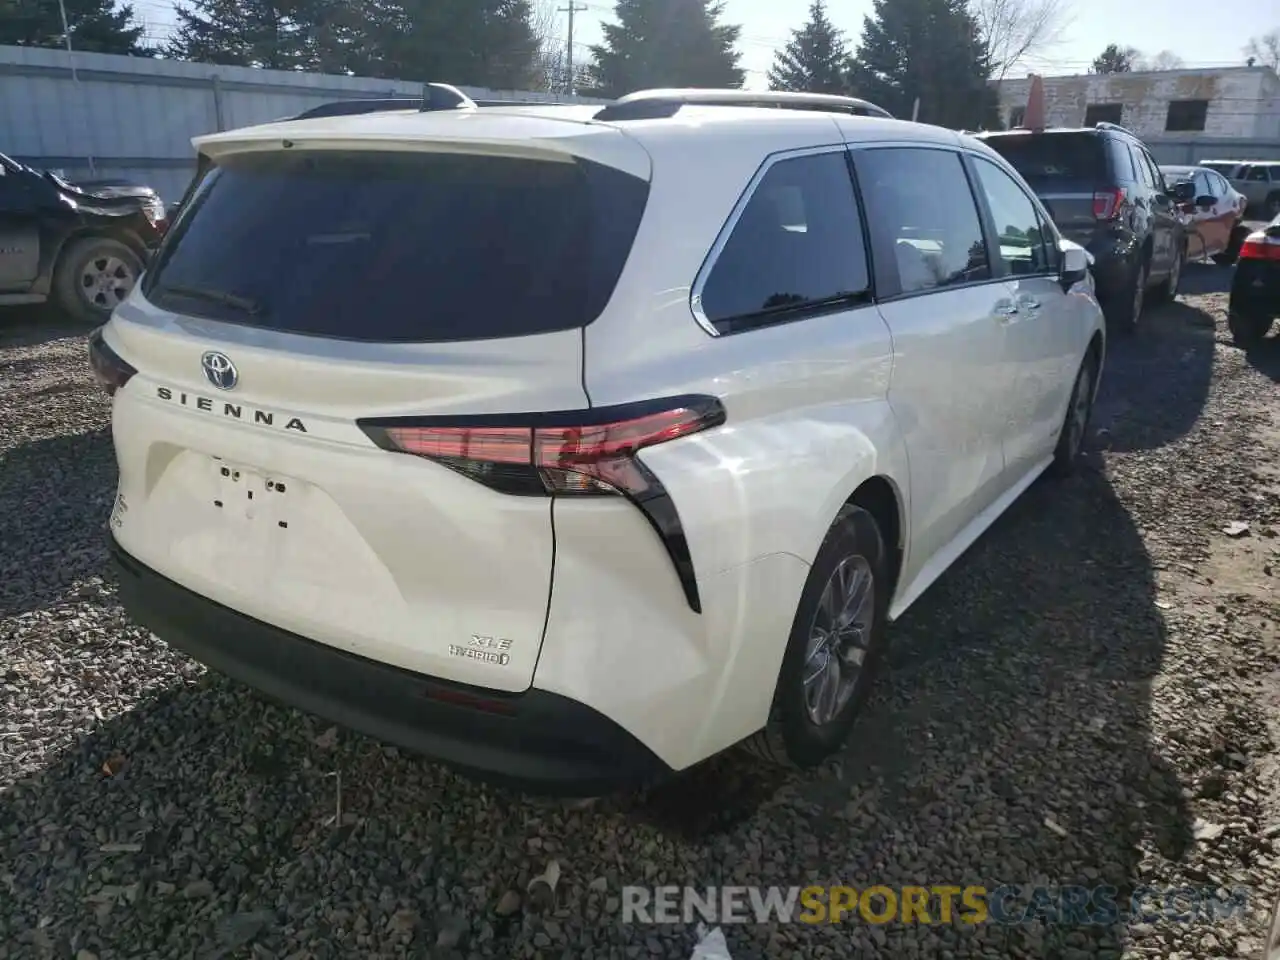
{"x":234,"y":300}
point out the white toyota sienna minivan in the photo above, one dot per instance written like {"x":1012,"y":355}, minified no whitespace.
{"x":571,"y":445}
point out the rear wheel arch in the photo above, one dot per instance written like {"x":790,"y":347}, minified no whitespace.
{"x":1097,"y":347}
{"x":72,"y":237}
{"x":881,"y":498}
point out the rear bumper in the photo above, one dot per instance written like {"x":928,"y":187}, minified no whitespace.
{"x":537,"y":741}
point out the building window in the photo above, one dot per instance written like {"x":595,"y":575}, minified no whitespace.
{"x":1017,"y":116}
{"x":1187,"y":115}
{"x":1096,"y":113}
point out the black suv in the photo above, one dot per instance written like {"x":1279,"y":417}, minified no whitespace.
{"x":83,"y":246}
{"x":1105,"y":192}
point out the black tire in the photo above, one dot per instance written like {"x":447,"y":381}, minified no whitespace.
{"x":792,"y":737}
{"x":91,"y":303}
{"x":1075,"y":423}
{"x":1272,"y":206}
{"x":1230,"y":255}
{"x":1167,"y":290}
{"x":1124,"y":307}
{"x":1248,"y":329}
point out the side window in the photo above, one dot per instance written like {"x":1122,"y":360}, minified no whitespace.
{"x":1121,"y":161}
{"x":1204,"y":184}
{"x":1147,"y":171}
{"x":796,"y":243}
{"x":933,"y":235}
{"x":1257,"y":174}
{"x":1154,"y":178}
{"x":1022,"y":244}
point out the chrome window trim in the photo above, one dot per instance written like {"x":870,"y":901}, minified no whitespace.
{"x":722,"y":238}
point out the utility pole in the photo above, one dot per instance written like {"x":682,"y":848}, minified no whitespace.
{"x":75,"y":77}
{"x":573,"y":8}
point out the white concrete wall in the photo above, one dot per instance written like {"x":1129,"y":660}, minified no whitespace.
{"x":135,"y":116}
{"x":1244,"y":102}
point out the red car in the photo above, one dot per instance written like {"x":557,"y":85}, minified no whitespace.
{"x":1213,"y":211}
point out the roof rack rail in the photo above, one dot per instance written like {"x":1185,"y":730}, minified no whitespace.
{"x":1106,"y":125}
{"x":351,"y":108}
{"x":435,"y":96}
{"x":443,"y":96}
{"x":659,"y":104}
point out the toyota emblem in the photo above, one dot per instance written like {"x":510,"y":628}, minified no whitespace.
{"x":219,"y":370}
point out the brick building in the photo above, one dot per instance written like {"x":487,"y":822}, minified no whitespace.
{"x":1178,"y":106}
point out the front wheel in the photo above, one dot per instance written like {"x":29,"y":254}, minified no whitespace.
{"x":93,"y":277}
{"x":1075,"y":425}
{"x":1230,"y":255}
{"x":1168,"y":290}
{"x":836,"y":641}
{"x":1124,"y":307}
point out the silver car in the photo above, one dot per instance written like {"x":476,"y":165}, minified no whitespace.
{"x":1258,"y":180}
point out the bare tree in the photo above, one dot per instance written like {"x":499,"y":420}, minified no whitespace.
{"x":1164,"y":60}
{"x":551,"y":60}
{"x":1265,"y":49}
{"x":1018,"y":30}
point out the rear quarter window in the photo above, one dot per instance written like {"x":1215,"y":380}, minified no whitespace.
{"x":400,"y":246}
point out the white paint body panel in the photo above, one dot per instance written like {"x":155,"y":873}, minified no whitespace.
{"x":389,"y":557}
{"x":395,"y":558}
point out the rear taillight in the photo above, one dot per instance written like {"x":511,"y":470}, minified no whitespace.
{"x":1107,"y":204}
{"x":1263,"y":245}
{"x":578,"y":453}
{"x":107,"y":366}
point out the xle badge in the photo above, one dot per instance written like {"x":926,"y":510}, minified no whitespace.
{"x":485,"y":649}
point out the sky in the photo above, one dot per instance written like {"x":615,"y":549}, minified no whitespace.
{"x":1215,"y":40}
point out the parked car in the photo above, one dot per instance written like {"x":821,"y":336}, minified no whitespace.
{"x":81,"y":246}
{"x":1255,"y":288}
{"x":413,"y":433}
{"x":1214,"y":212}
{"x":1258,"y":180}
{"x":1106,"y":193}
{"x":1226,"y":168}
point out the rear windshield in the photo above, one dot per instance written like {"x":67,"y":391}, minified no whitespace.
{"x":1048,"y":157}
{"x":399,"y":247}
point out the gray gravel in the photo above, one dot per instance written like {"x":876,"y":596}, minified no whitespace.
{"x":1089,"y":696}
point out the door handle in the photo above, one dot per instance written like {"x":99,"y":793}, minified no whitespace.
{"x":1005,"y":310}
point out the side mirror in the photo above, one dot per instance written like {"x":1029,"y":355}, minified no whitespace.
{"x":1205,"y":202}
{"x":1184,"y":191}
{"x":1075,"y":264}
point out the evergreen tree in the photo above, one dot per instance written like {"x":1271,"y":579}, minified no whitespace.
{"x":97,"y":26}
{"x":665,"y":43}
{"x":931,"y":50}
{"x":816,"y":60}
{"x":243,"y":33}
{"x":485,"y":43}
{"x":1115,"y":59}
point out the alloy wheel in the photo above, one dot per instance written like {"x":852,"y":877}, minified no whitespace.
{"x":839,"y":639}
{"x":106,"y":281}
{"x":1081,"y":401}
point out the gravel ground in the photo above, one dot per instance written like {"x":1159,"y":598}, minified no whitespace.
{"x":1089,"y":696}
